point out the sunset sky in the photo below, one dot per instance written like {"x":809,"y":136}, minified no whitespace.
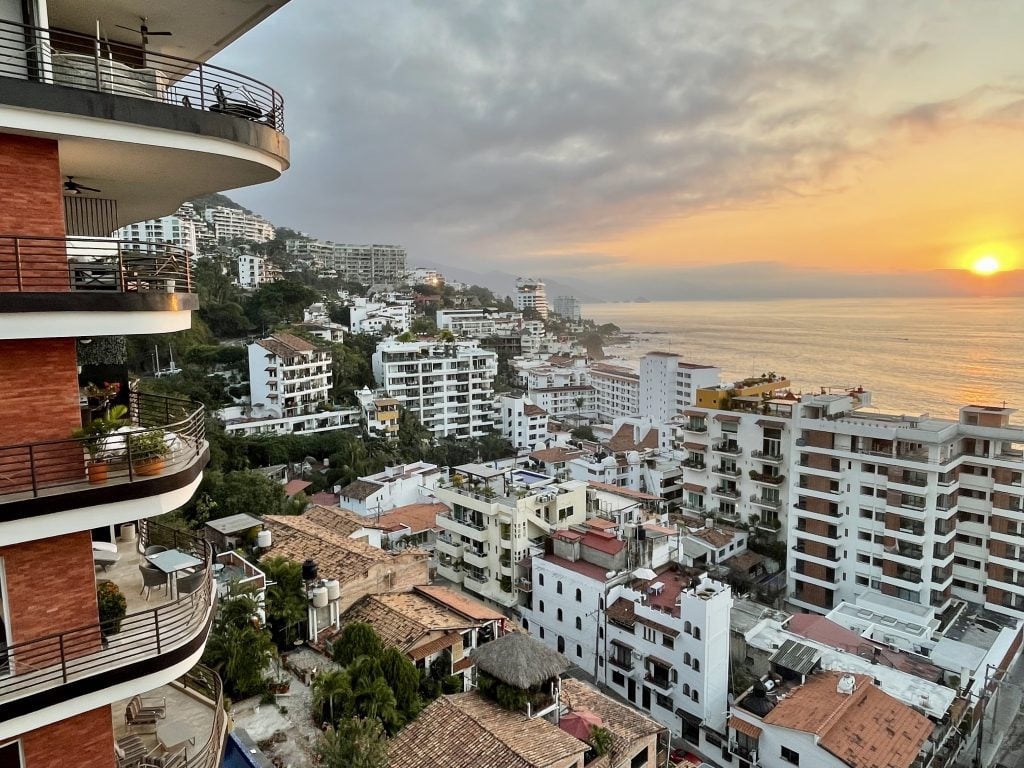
{"x":622,"y":145}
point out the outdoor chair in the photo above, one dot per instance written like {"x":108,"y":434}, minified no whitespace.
{"x":151,"y":578}
{"x":190,"y":584}
{"x":173,"y":759}
{"x":129,"y":751}
{"x":104,"y":559}
{"x":154,"y":549}
{"x":144,"y":712}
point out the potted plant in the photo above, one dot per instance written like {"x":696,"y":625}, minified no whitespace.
{"x":112,"y":608}
{"x":147,"y":451}
{"x":93,"y":436}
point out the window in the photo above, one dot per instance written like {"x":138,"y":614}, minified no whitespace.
{"x":686,"y":689}
{"x":688,"y":628}
{"x":559,"y":614}
{"x":579,"y":651}
{"x":696,"y":665}
{"x":618,"y":678}
{"x":541,"y":630}
{"x":579,"y":595}
{"x":686,"y":659}
{"x":650,"y":634}
{"x":695,"y":696}
{"x":696,"y":633}
{"x":665,"y":702}
{"x":579,"y":623}
{"x":541,"y":606}
{"x":561,"y":644}
{"x":558,"y":588}
{"x":600,"y":633}
{"x":667,"y":641}
{"x":540,"y":579}
{"x":10,"y":755}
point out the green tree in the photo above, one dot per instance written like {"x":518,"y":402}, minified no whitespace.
{"x":371,"y":694}
{"x":585,"y":432}
{"x":356,"y":639}
{"x":423,"y":326}
{"x":404,"y":680}
{"x":249,"y":492}
{"x":355,"y":743}
{"x":600,"y":740}
{"x":238,"y":650}
{"x":331,"y":695}
{"x":286,"y":595}
{"x":350,"y":370}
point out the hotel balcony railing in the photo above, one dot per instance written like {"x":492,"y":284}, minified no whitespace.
{"x":75,"y":60}
{"x":56,"y":467}
{"x":772,"y":458}
{"x":30,"y":264}
{"x":88,"y":660}
{"x":202,"y":683}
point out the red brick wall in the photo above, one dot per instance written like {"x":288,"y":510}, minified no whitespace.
{"x":85,"y":741}
{"x":33,"y":204}
{"x":817,"y":439}
{"x":51,"y":588}
{"x":39,"y":382}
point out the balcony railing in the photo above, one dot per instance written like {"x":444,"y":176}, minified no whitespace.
{"x":203,"y":682}
{"x":54,"y":467}
{"x":75,"y":60}
{"x":30,"y":264}
{"x":91,"y":656}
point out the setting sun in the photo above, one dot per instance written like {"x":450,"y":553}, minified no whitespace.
{"x":985,"y":265}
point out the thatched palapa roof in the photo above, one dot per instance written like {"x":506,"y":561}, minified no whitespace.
{"x":520,"y":660}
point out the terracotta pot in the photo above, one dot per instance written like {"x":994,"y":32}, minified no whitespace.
{"x":147,"y":467}
{"x":98,"y":472}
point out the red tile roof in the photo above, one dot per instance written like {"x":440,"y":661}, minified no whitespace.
{"x":603,"y":541}
{"x":416,"y":517}
{"x":293,"y":487}
{"x":619,"y":490}
{"x":600,"y":524}
{"x":460,"y":603}
{"x":582,"y":567}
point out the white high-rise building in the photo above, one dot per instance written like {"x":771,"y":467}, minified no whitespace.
{"x":254,"y":271}
{"x":233,"y":223}
{"x":479,"y":323}
{"x":567,"y":307}
{"x":523,"y":422}
{"x":668,"y":384}
{"x":289,"y":375}
{"x":449,"y":386}
{"x":178,"y":229}
{"x":616,"y":391}
{"x":530,"y":294}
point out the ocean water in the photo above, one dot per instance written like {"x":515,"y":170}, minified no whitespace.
{"x":915,"y":355}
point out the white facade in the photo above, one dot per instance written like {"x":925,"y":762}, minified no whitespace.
{"x":232,"y":223}
{"x":567,"y":307}
{"x":254,"y":271}
{"x":616,"y":391}
{"x":424,"y":276}
{"x":523,"y":422}
{"x":396,"y":486}
{"x":178,"y":229}
{"x":479,"y":323}
{"x":496,"y":517}
{"x":380,"y":413}
{"x":289,"y":376}
{"x":450,"y":387}
{"x":531,"y":294}
{"x":244,"y":420}
{"x":668,"y":384}
{"x":377,"y":317}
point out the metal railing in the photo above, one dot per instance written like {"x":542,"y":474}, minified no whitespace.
{"x":57,"y":659}
{"x":206,"y":683}
{"x":76,"y":60}
{"x":47,"y":468}
{"x":32,"y":264}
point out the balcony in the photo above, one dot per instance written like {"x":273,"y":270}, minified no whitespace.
{"x":447,"y":545}
{"x":697,"y":428}
{"x":473,"y":557}
{"x":47,"y":478}
{"x":726,"y":492}
{"x":768,"y":457}
{"x":195,"y":701}
{"x":728,"y":447}
{"x":171,"y":111}
{"x":695,"y":463}
{"x":725,"y":471}
{"x":76,"y":281}
{"x":68,"y":671}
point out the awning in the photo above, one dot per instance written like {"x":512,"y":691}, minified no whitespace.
{"x":742,"y":726}
{"x":695,"y":487}
{"x":726,"y":417}
{"x":699,"y":414}
{"x":662,"y":662}
{"x":695,"y":446}
{"x":770,"y":424}
{"x":691,"y":719}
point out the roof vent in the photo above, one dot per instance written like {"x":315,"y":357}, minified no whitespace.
{"x":847,"y":685}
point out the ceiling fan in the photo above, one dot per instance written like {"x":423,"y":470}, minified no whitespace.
{"x":72,"y":187}
{"x":143,"y":30}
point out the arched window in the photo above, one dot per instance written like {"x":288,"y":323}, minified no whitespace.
{"x":561,"y":644}
{"x":541,"y":606}
{"x":688,"y":628}
{"x":558,"y":588}
{"x":540,"y":579}
{"x":686,"y":689}
{"x":559,"y":614}
{"x":579,"y":595}
{"x":696,"y":665}
{"x":695,"y":696}
{"x":600,"y":603}
{"x":686,"y":659}
{"x":696,"y":633}
{"x":579,"y":623}
{"x":579,"y":651}
{"x":542,"y":633}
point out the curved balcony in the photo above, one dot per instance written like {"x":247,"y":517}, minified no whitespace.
{"x":58,"y":483}
{"x":108,"y":94}
{"x":82,"y":286}
{"x":71,"y":669}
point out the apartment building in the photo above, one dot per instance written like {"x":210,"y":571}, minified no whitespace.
{"x":567,"y":307}
{"x":425,"y":276}
{"x":395,"y":486}
{"x":70,"y":120}
{"x":479,"y":323}
{"x":289,"y":376}
{"x":497,"y":517}
{"x":448,"y":386}
{"x":378,"y":317}
{"x":380,"y":414}
{"x":368,"y":264}
{"x":179,"y":228}
{"x":313,"y":253}
{"x":737,"y":460}
{"x":616,"y":391}
{"x":531,"y":294}
{"x":229,"y":224}
{"x":668,"y":384}
{"x":254,"y":271}
{"x":523,"y":422}
{"x":266,"y":419}
{"x":613,"y":600}
{"x":925,"y":509}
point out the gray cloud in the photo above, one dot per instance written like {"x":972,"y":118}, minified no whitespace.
{"x":484,"y":132}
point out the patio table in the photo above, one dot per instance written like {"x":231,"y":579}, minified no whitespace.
{"x":171,"y":561}
{"x":173,"y":734}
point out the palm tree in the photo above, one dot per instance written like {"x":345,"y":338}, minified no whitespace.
{"x":330,"y":687}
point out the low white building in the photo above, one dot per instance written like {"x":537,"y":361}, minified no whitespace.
{"x":479,"y":323}
{"x":448,"y":386}
{"x":250,"y":420}
{"x":378,"y":317}
{"x":289,"y":376}
{"x":397,"y":486}
{"x":524,"y":423}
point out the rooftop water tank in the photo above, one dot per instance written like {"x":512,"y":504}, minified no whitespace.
{"x":320,"y":597}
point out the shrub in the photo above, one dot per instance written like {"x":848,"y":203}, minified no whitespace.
{"x":112,"y":608}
